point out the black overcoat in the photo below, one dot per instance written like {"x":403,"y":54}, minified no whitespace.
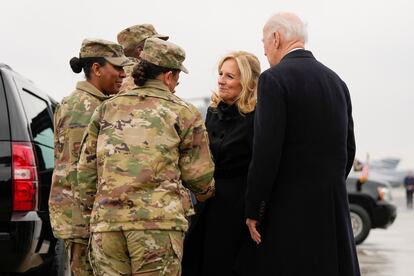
{"x":218,"y":229}
{"x":303,"y":149}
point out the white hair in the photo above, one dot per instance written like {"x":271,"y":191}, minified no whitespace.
{"x":289,"y":24}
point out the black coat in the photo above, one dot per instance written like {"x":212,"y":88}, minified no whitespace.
{"x":303,"y":149}
{"x":218,"y":229}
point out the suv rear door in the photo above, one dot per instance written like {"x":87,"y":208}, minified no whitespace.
{"x":30,"y":118}
{"x":5,"y":163}
{"x":39,"y":116}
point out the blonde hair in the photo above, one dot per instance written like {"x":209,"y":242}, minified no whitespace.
{"x":249,"y":67}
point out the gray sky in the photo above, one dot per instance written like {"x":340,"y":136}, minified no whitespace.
{"x":369,"y":43}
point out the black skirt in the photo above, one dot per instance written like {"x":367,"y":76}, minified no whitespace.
{"x":217,"y":230}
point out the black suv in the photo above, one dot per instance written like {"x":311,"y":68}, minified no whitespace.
{"x":26,"y":166}
{"x":371,"y":207}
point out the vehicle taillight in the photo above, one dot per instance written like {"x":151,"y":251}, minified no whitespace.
{"x":24,"y":177}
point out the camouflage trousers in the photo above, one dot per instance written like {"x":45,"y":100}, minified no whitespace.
{"x":79,"y":263}
{"x":138,"y":252}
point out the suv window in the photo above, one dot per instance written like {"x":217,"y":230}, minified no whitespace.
{"x":4,"y":118}
{"x":41,"y":125}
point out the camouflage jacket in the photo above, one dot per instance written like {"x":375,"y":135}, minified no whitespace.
{"x":141,"y":150}
{"x":128,"y":82}
{"x":71,"y":119}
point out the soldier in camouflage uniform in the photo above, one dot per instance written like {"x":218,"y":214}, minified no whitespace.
{"x":142,"y":148}
{"x":132,"y":40}
{"x":102,"y":63}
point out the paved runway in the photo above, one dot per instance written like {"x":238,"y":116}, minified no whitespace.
{"x":390,"y":252}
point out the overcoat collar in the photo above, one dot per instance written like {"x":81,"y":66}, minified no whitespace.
{"x":227,"y":112}
{"x":301,"y":53}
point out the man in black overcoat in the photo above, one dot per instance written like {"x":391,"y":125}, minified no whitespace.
{"x":296,"y":203}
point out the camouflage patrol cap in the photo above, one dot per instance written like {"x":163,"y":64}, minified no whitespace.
{"x":164,"y":54}
{"x":132,"y":36}
{"x":111,"y":51}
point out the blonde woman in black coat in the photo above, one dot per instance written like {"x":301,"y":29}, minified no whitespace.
{"x":212,"y":245}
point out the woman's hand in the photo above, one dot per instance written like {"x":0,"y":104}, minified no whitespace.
{"x":251,"y":223}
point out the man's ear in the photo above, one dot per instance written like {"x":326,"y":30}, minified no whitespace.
{"x":276,"y":39}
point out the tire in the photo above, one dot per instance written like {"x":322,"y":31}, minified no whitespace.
{"x":60,"y":265}
{"x":56,"y":266}
{"x":361,"y":223}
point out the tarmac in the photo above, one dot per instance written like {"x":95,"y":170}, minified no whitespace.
{"x":390,"y":252}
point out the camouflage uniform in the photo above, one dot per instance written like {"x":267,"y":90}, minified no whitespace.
{"x":128,"y":82}
{"x":130,"y":38}
{"x":141,"y":150}
{"x":71,"y":119}
{"x":156,"y":252}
